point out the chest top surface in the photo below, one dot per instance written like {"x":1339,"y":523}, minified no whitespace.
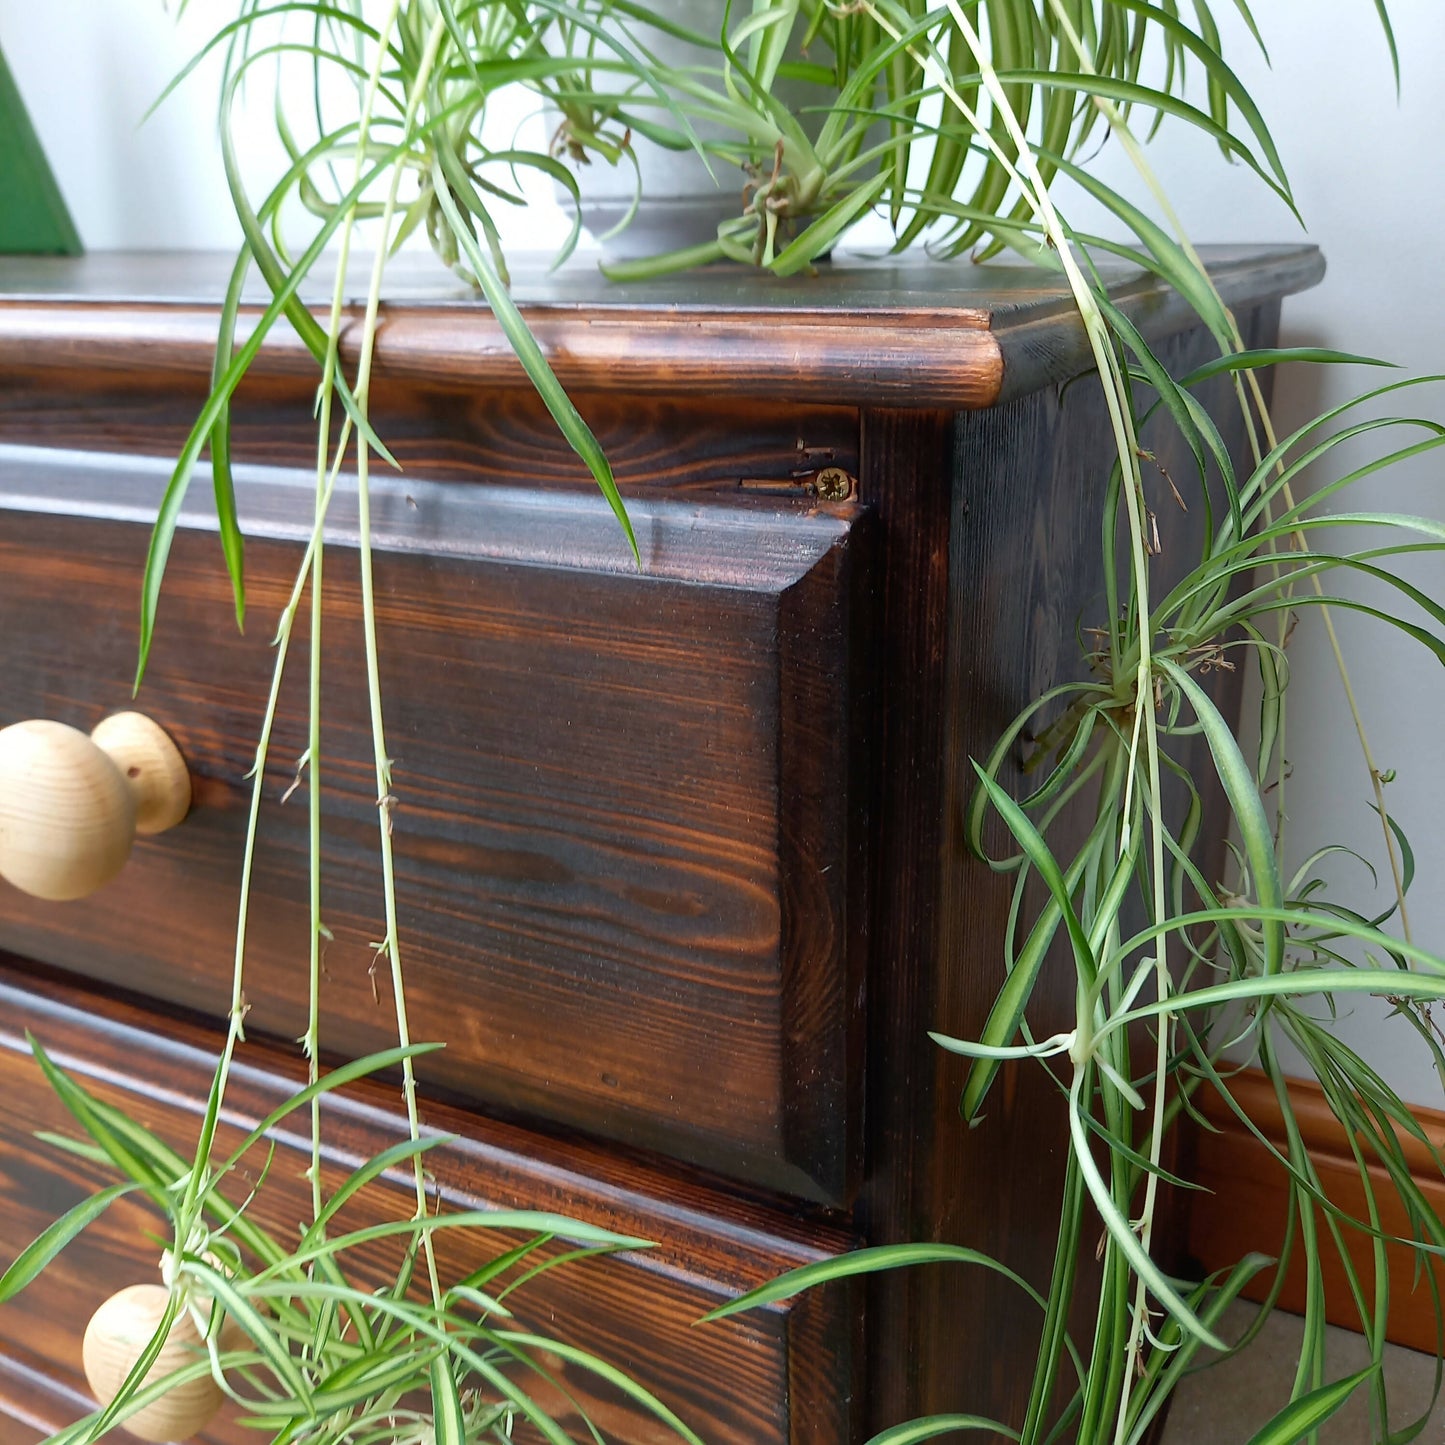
{"x":895,"y":331}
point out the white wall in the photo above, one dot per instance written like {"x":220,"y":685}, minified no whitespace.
{"x":1367,"y":175}
{"x":132,"y":182}
{"x":88,"y":70}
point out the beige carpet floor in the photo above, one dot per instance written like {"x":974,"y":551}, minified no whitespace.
{"x":1228,"y":1403}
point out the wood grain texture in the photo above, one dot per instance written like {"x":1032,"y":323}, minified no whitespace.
{"x":439,"y":430}
{"x":906,"y":461}
{"x":151,"y":765}
{"x":116,"y":1336}
{"x":777,"y":1377}
{"x":33,"y":1400}
{"x":621,"y":801}
{"x":991,"y":562}
{"x":1043,"y":344}
{"x":906,"y":332}
{"x":1247,"y":1204}
{"x":67,"y":819}
{"x":680,"y":850}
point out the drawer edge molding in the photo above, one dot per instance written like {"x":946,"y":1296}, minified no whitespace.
{"x":752,"y":545}
{"x":628,"y":807}
{"x":709,"y":1246}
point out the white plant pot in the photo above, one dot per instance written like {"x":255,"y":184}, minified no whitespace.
{"x":682,"y":201}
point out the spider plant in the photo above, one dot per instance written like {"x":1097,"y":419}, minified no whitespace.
{"x":957,"y":123}
{"x":326,"y":1359}
{"x":302,"y":1349}
{"x":1214,"y":966}
{"x":903,"y":123}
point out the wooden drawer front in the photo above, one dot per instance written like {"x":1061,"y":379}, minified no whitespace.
{"x":622,"y":799}
{"x":770,"y":1376}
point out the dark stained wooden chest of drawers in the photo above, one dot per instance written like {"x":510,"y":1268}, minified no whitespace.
{"x":679,"y":845}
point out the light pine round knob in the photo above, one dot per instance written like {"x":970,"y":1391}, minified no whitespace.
{"x":117,"y":1333}
{"x":71,"y":805}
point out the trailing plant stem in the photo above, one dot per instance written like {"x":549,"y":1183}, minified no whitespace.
{"x":384,"y":799}
{"x":1127,"y":447}
{"x":236,"y":1032}
{"x":312,"y":1042}
{"x":1121,"y":129}
{"x":1114,"y":734}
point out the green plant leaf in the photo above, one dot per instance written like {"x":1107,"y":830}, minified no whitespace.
{"x":284,"y":288}
{"x":1265,"y":356}
{"x":337,"y":1078}
{"x":1169,"y":260}
{"x":610,"y":1374}
{"x":1009,"y":1007}
{"x":91,"y":1427}
{"x":1383,"y":12}
{"x":1309,"y":1411}
{"x":262,"y":1335}
{"x":1224,"y":83}
{"x":1239,"y":786}
{"x":532,"y":1220}
{"x":503,"y":1262}
{"x":36,"y":1255}
{"x":363,"y":1174}
{"x":935,"y":1425}
{"x":1132,"y":94}
{"x":448,"y":1421}
{"x":138,"y":1372}
{"x":1296,"y":982}
{"x":1121,"y":1231}
{"x":1046,"y":864}
{"x":824,"y":233}
{"x":579,"y":435}
{"x":115,"y":1134}
{"x":864,"y":1261}
{"x":233,"y":546}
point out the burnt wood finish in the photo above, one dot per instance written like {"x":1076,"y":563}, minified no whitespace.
{"x":988,"y":619}
{"x":769,"y":1377}
{"x":908,"y":463}
{"x":680,"y":845}
{"x":621,"y":800}
{"x":989,"y":563}
{"x":446,"y":433}
{"x":909,"y":332}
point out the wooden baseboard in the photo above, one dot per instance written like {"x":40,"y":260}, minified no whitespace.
{"x":1246,"y":1209}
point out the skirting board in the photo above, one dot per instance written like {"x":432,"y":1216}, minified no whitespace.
{"x":1246,"y":1208}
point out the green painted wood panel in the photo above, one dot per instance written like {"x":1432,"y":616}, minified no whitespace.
{"x":33,"y":215}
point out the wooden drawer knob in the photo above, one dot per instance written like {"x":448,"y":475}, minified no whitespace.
{"x":117,"y":1333}
{"x":71,"y":805}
